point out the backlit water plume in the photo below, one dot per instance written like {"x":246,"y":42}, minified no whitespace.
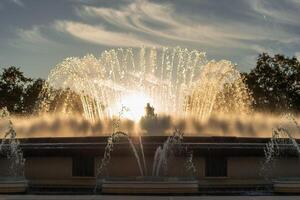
{"x":175,"y":81}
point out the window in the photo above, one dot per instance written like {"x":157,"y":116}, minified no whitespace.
{"x":83,"y":166}
{"x":216,"y":166}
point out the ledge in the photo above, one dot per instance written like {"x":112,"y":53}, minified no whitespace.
{"x":201,"y":146}
{"x":12,"y":185}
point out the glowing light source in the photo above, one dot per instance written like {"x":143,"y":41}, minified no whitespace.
{"x":135,"y":105}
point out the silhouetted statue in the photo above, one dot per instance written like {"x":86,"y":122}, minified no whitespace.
{"x":149,"y":111}
{"x":153,"y":124}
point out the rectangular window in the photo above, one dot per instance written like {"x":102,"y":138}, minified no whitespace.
{"x":216,"y":167}
{"x":83,"y":166}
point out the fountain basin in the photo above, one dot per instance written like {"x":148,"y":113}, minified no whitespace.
{"x":59,"y":165}
{"x":287,"y":185}
{"x":13,"y":185}
{"x":149,"y":185}
{"x":62,"y":186}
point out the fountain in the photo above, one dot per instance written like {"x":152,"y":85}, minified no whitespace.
{"x":281,"y":143}
{"x":165,"y":151}
{"x":160,"y":160}
{"x":12,"y":176}
{"x":175,"y":81}
{"x":281,"y":140}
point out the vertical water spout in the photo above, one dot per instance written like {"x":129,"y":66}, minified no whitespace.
{"x":10,"y":147}
{"x":143,"y":155}
{"x":155,"y":160}
{"x":137,"y":158}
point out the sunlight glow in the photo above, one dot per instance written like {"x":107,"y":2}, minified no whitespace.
{"x":135,"y":106}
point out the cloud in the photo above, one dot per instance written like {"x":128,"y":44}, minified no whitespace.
{"x":287,"y":12}
{"x":162,"y":22}
{"x":18,"y":2}
{"x":32,"y":35}
{"x":33,"y":39}
{"x":236,"y":30}
{"x":99,"y":35}
{"x":144,"y":23}
{"x":239,"y":32}
{"x":137,"y":16}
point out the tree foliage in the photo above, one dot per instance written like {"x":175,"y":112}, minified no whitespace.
{"x":275,"y":83}
{"x":17,"y":92}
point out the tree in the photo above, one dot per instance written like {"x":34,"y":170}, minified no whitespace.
{"x":275,"y":83}
{"x":12,"y":87}
{"x":18,"y":93}
{"x":31,"y":95}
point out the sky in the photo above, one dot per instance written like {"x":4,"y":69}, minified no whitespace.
{"x":35,"y":35}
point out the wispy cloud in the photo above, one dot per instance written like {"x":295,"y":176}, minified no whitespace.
{"x":99,"y":35}
{"x":154,"y":20}
{"x":33,"y":39}
{"x":32,"y":35}
{"x":141,"y":22}
{"x":237,"y":30}
{"x":286,"y":13}
{"x":162,"y":21}
{"x":18,"y":2}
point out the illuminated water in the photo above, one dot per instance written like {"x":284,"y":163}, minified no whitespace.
{"x":176,"y":81}
{"x":202,"y":97}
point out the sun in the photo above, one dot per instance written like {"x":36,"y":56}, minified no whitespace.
{"x":134,"y":105}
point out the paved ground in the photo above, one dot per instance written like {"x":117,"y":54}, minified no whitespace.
{"x":122,"y":197}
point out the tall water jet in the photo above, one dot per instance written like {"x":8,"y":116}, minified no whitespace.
{"x":281,"y":140}
{"x":162,"y":153}
{"x":175,"y":81}
{"x":10,"y":147}
{"x":111,"y":140}
{"x":143,"y":155}
{"x":109,"y":148}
